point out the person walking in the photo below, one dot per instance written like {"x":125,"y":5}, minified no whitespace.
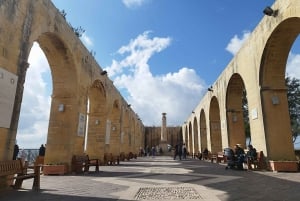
{"x":184,"y":151}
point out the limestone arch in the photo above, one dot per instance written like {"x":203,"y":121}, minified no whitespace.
{"x":64,"y":95}
{"x":190,"y":139}
{"x":185,"y":136}
{"x":133,"y":134}
{"x":196,"y":134}
{"x":125,"y":139}
{"x":273,"y":90}
{"x":113,"y":129}
{"x":235,"y":111}
{"x":215,"y":126}
{"x":203,"y":131}
{"x":97,"y":120}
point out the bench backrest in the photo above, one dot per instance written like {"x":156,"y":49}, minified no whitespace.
{"x":39,"y":160}
{"x":10,"y":167}
{"x":80,"y":158}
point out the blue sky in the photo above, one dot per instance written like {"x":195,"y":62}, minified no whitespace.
{"x":161,"y":54}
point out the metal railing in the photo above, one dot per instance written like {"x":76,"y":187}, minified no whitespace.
{"x":28,"y":155}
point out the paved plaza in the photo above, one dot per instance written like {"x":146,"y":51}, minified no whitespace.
{"x":162,"y":178}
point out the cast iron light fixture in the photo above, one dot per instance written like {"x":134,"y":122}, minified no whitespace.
{"x":210,"y":89}
{"x":104,"y":72}
{"x":270,"y":12}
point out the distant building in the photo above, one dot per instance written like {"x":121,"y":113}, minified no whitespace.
{"x":153,"y":135}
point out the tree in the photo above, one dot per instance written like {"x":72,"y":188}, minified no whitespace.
{"x":78,"y":31}
{"x":293,"y":96}
{"x":246,"y":114}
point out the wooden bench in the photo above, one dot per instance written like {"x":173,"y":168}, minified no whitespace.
{"x":122,"y":156}
{"x":206,"y":156}
{"x":218,"y":157}
{"x":128,"y":156}
{"x":110,"y":159}
{"x":80,"y":162}
{"x":39,"y":160}
{"x":14,"y":170}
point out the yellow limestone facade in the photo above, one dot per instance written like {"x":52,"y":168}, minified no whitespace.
{"x":83,"y":97}
{"x":259,"y":69}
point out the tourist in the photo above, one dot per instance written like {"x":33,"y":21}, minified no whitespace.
{"x":184,"y":151}
{"x":16,"y":152}
{"x":239,"y":156}
{"x":251,"y":156}
{"x":42,"y":150}
{"x":204,"y":154}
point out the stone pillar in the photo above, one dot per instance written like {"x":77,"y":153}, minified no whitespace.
{"x":163,"y":134}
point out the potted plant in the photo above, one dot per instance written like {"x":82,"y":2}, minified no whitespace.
{"x":55,"y":169}
{"x":283,"y":165}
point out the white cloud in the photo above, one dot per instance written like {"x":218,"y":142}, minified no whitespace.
{"x":236,"y":43}
{"x":176,"y":93}
{"x":35,"y":109}
{"x":293,"y":64}
{"x":133,"y":3}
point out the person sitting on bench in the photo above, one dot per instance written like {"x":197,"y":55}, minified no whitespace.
{"x":251,"y":156}
{"x":239,"y":157}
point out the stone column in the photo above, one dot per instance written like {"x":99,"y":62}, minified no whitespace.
{"x":163,"y":134}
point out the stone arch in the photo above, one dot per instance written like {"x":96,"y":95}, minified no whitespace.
{"x":203,"y":131}
{"x":113,"y":128}
{"x":125,"y":133}
{"x":196,"y":134}
{"x":215,"y":126}
{"x":76,"y":76}
{"x":234,"y":111}
{"x":132,"y":134}
{"x":64,"y":99}
{"x":126,"y":130}
{"x":97,"y":120}
{"x":190,"y":139}
{"x":185,"y":136}
{"x":273,"y":90}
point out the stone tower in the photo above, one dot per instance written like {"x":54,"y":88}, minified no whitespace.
{"x":163,"y":136}
{"x":164,"y":128}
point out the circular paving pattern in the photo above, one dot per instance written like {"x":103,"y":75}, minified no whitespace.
{"x":167,"y":193}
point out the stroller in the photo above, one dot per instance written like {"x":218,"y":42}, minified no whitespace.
{"x":233,"y":162}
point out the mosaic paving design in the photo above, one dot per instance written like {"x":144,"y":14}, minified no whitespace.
{"x":167,"y":193}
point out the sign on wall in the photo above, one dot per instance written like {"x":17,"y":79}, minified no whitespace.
{"x":8,"y":83}
{"x":107,"y":133}
{"x":81,"y":125}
